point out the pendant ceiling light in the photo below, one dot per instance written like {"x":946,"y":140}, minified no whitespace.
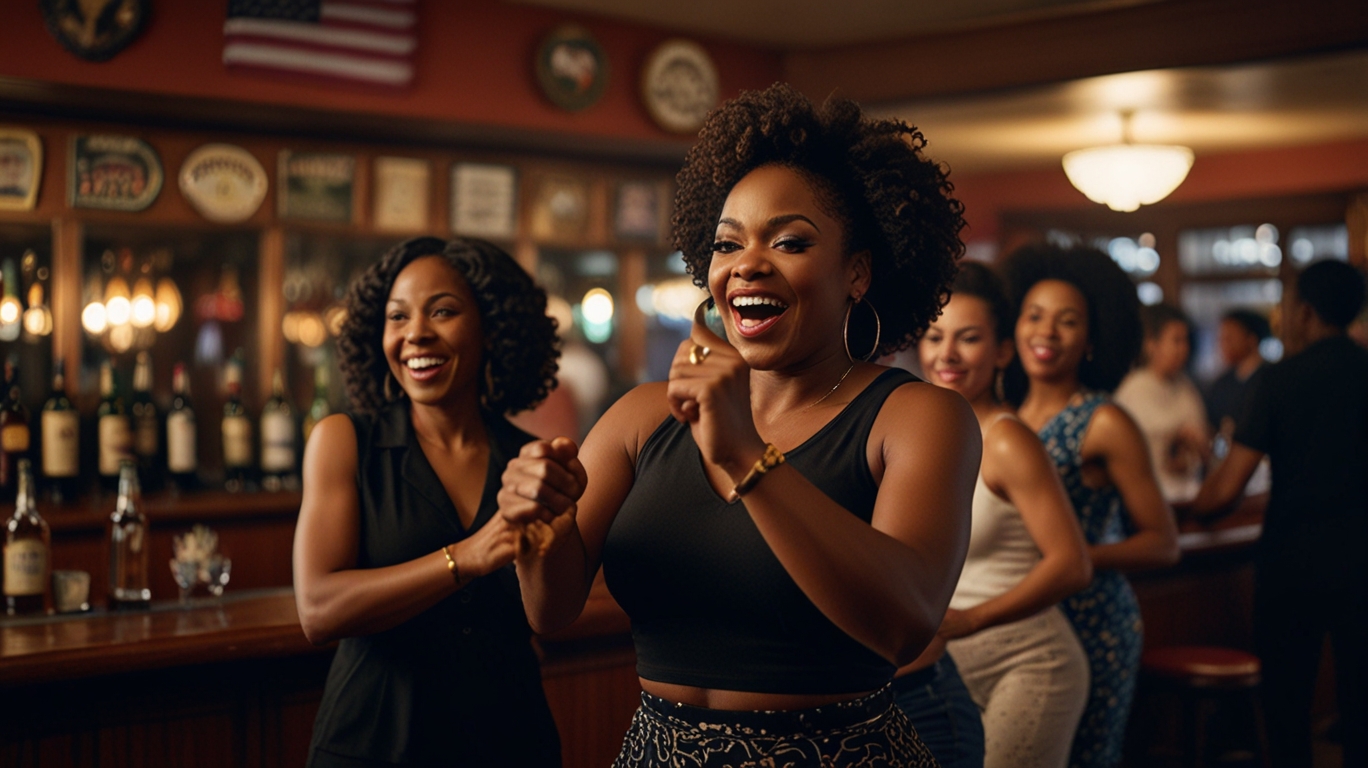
{"x":1126,"y":176}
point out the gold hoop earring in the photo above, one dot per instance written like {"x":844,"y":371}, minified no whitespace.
{"x":845,"y":331}
{"x":389,"y":386}
{"x":999,"y":384}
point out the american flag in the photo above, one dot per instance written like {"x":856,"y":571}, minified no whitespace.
{"x":368,"y":42}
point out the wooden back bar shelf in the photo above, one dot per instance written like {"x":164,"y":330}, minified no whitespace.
{"x":256,"y":531}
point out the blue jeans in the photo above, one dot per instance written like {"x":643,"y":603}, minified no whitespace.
{"x":946,"y":718}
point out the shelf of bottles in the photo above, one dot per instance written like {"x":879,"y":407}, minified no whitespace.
{"x":165,"y":371}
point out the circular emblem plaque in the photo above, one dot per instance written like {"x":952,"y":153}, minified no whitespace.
{"x":571,"y":68}
{"x":224,"y":183}
{"x":95,"y":30}
{"x":679,"y":85}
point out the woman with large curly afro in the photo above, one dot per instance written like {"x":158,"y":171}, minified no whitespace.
{"x":782,"y":520}
{"x":1077,"y":334}
{"x":400,"y":551}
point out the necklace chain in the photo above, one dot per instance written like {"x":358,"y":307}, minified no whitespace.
{"x":832,"y":391}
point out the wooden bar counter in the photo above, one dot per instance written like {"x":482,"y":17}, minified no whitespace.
{"x":233,"y":682}
{"x":1208,"y":597}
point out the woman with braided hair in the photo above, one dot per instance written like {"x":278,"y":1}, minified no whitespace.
{"x":782,"y":521}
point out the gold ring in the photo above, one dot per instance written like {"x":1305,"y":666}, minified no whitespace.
{"x":698,"y":353}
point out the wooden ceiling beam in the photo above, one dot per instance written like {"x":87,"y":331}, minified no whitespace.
{"x":1157,"y":35}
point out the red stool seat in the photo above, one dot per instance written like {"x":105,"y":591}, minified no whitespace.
{"x":1201,"y":666}
{"x":1204,"y":679}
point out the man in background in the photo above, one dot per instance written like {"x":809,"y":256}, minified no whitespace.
{"x":1309,"y":415}
{"x":1238,"y":338}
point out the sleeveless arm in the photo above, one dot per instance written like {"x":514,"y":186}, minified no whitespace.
{"x":556,"y":584}
{"x":886,"y":585}
{"x":1114,"y":438}
{"x":335,"y":599}
{"x":1015,"y":463}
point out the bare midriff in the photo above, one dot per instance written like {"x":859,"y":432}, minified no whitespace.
{"x":928,"y":657}
{"x":715,"y":698}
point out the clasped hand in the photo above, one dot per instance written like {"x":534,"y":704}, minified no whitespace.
{"x":541,"y":488}
{"x":709,"y":390}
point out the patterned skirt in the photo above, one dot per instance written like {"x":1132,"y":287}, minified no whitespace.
{"x":868,"y":731}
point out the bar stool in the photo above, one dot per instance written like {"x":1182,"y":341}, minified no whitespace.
{"x":1205,"y":678}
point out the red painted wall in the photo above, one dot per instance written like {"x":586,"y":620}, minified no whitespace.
{"x":1335,"y":167}
{"x":474,"y":65}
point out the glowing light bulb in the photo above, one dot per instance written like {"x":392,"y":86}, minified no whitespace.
{"x":10,"y":309}
{"x":118,"y":311}
{"x":312,"y":333}
{"x":143,"y":309}
{"x":94,"y":318}
{"x":597,"y":306}
{"x":169,"y":307}
{"x":38,"y":320}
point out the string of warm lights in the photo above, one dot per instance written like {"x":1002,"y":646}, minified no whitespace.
{"x":118,"y":314}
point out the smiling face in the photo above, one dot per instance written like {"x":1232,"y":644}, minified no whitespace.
{"x":1052,"y":330}
{"x":960,"y":351}
{"x":432,"y":338}
{"x":778,"y":271}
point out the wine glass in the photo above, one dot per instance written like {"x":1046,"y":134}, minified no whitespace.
{"x":186,"y":573}
{"x":219,"y":568}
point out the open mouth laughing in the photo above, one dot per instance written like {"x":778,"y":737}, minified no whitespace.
{"x":753,"y":314}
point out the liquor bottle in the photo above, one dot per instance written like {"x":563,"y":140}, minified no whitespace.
{"x":145,"y":425}
{"x":114,"y":434}
{"x":278,"y":440}
{"x":60,"y":427}
{"x":237,"y":432}
{"x":28,"y":544}
{"x":14,"y":432}
{"x":320,"y":406}
{"x":182,"y":452}
{"x":129,"y":540}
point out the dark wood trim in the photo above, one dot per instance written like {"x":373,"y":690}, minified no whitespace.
{"x":27,"y":98}
{"x":1154,"y":35}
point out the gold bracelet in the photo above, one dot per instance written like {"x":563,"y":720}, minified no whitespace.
{"x":772,"y":458}
{"x":451,"y":566}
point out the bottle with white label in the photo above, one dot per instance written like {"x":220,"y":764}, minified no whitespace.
{"x":278,"y":440}
{"x":115,"y":435}
{"x":60,"y":427}
{"x":237,"y":432}
{"x":145,"y":424}
{"x":182,"y":447}
{"x":28,"y":548}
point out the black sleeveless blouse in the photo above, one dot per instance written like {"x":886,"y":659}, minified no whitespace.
{"x":710,"y":604}
{"x":459,"y":684}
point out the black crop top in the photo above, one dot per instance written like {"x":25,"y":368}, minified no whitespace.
{"x":710,"y":604}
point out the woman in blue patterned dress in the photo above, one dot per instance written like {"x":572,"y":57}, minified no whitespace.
{"x":1077,"y":336}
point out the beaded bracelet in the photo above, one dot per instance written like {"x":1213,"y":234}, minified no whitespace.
{"x":772,"y":458}
{"x":451,"y":566}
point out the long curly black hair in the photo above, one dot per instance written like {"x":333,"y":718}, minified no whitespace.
{"x":1114,"y":329}
{"x":520,"y":346}
{"x":868,"y":174}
